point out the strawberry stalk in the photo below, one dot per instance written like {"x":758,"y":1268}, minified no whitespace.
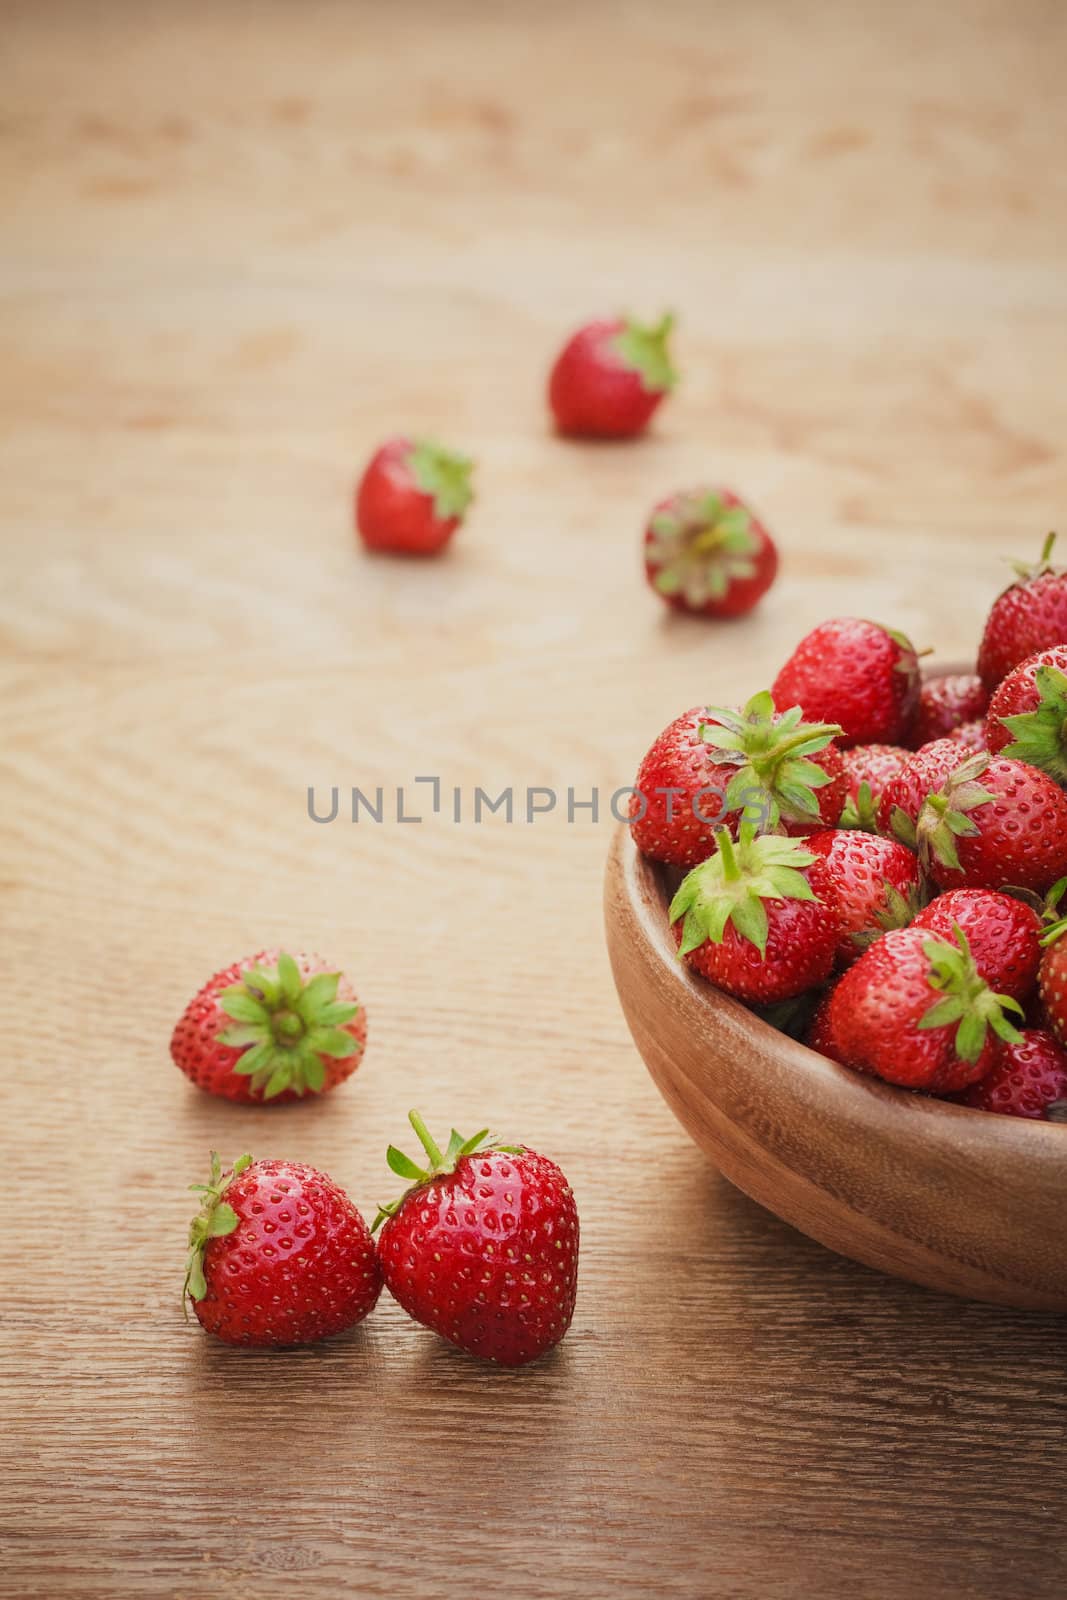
{"x":438,"y":1164}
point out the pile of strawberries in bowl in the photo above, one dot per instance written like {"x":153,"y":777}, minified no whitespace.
{"x":875,"y":861}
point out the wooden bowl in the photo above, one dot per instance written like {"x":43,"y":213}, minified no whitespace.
{"x":963,"y":1201}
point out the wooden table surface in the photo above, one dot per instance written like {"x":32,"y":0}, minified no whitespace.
{"x":242,"y":244}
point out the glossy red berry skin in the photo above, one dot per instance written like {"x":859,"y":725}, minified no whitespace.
{"x":487,"y":1256}
{"x":875,"y":1014}
{"x":875,"y":765}
{"x":1029,"y":1080}
{"x":945,"y":704}
{"x":678,"y":827}
{"x":855,"y":673}
{"x":801,"y":942}
{"x":1018,"y":693}
{"x":196,"y":1050}
{"x":299,"y":1267}
{"x":593,"y":393}
{"x":1029,"y":616}
{"x":1052,"y":988}
{"x":392,"y":512}
{"x":820,"y":1035}
{"x":1003,"y":934}
{"x":1021,"y":833}
{"x":969,"y":737}
{"x":863,"y":867}
{"x":924,"y":774}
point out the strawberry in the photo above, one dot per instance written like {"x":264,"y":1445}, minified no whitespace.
{"x":412,"y":497}
{"x":924,"y":773}
{"x":1028,"y":713}
{"x":713,"y":765}
{"x":1030,"y":615}
{"x":278,"y":1255}
{"x":857,"y":673}
{"x":1003,"y":934}
{"x":1029,"y":1080}
{"x":758,"y":918}
{"x":877,"y":882}
{"x":610,"y":377}
{"x":868,"y":768}
{"x":993,"y":824}
{"x":969,"y":737}
{"x":820,"y":1035}
{"x":945,"y":703}
{"x":1052,"y":973}
{"x":483,"y":1248}
{"x":915,"y":1011}
{"x":705,"y":551}
{"x":271,"y":1027}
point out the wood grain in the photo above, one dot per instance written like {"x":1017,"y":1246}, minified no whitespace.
{"x":958,"y":1201}
{"x":242,"y":244}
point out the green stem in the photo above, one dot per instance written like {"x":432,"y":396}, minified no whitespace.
{"x":435,"y":1157}
{"x":730,"y":870}
{"x":782,"y":748}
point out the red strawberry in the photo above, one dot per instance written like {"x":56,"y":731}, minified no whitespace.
{"x":713,"y":764}
{"x":1028,"y":713}
{"x":877,"y":882}
{"x":610,"y":377}
{"x":968,"y":738}
{"x":271,"y":1027}
{"x":915,"y":1011}
{"x":820,"y":1035}
{"x":924,"y":773}
{"x":1029,"y":1080}
{"x":993,"y":824}
{"x":1029,"y":616}
{"x":856,"y":673}
{"x":1003,"y":935}
{"x":945,"y":703}
{"x":483,"y":1248}
{"x":278,"y":1255}
{"x":868,"y":768}
{"x":1052,"y":973}
{"x":758,"y":918}
{"x":705,"y":551}
{"x":412,"y":497}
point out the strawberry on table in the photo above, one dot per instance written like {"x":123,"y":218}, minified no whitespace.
{"x":1029,"y":616}
{"x":878,"y":884}
{"x":915,"y":1011}
{"x":706,"y":552}
{"x":714,"y":764}
{"x":947,"y":702}
{"x":857,"y":673}
{"x":1003,"y":933}
{"x":1028,"y":713}
{"x":278,"y":1255}
{"x":993,"y":824}
{"x":759,"y":918}
{"x":483,"y":1248}
{"x":412,"y":497}
{"x":1029,"y":1080}
{"x":868,"y":768}
{"x":271,"y":1027}
{"x":610,"y":377}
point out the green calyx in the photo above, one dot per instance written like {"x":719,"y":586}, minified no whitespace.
{"x":1051,"y":913}
{"x":644,"y":348}
{"x":732,"y":885}
{"x":861,"y":810}
{"x":945,"y":816}
{"x":214,"y":1219}
{"x":965,"y":998}
{"x":699,"y":546}
{"x":444,"y":476}
{"x":439,"y":1164}
{"x":285,"y":1027}
{"x":1040,"y":736}
{"x":1025,"y":571}
{"x":764,"y":756}
{"x":896,"y":911}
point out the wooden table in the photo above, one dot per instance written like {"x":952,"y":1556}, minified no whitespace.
{"x":242,"y":245}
